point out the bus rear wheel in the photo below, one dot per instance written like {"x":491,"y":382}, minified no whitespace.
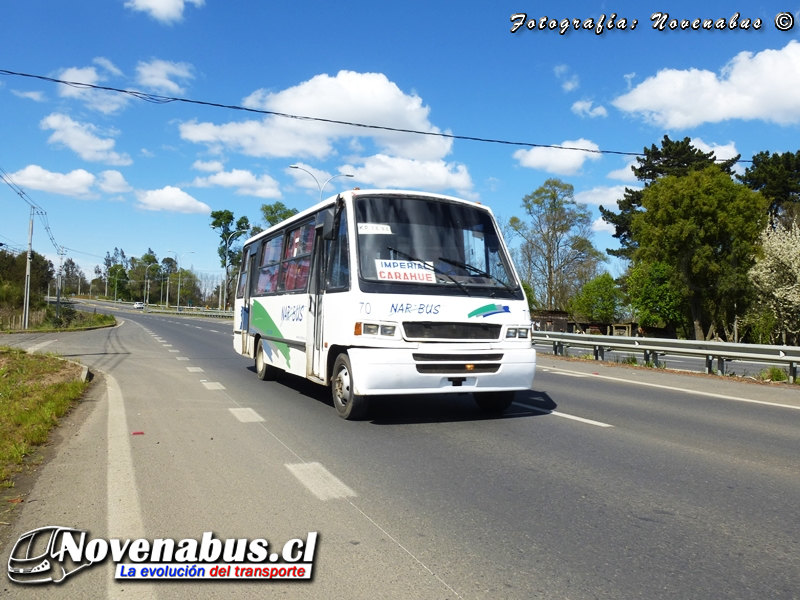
{"x":493,"y":402}
{"x":349,"y":405}
{"x":265,"y":372}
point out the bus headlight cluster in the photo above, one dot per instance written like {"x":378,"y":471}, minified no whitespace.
{"x":375,"y":329}
{"x":518,"y":332}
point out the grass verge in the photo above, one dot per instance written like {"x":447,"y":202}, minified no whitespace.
{"x":35,"y":392}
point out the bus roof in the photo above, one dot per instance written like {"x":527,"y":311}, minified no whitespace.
{"x":359,"y":192}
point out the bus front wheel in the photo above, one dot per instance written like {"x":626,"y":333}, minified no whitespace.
{"x":265,"y":372}
{"x":349,"y":405}
{"x":493,"y":402}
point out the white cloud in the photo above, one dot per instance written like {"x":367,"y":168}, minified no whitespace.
{"x":112,"y":182}
{"x":35,"y":96}
{"x":625,"y":173}
{"x":108,"y":66}
{"x":368,"y":98}
{"x":245,"y":182}
{"x":629,"y":77}
{"x":76,"y":183}
{"x":171,"y":199}
{"x":568,"y":81}
{"x":166,"y":11}
{"x":211,"y":166}
{"x":721,"y":152}
{"x":395,"y":172}
{"x":99,"y":100}
{"x":556,"y":160}
{"x":602,"y":196}
{"x":763,"y":86}
{"x":158,"y":75}
{"x":583,"y":108}
{"x":600,"y":226}
{"x":81,"y":139}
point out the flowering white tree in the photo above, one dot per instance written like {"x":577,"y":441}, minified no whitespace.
{"x":776,"y":277}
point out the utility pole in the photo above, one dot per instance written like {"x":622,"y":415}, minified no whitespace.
{"x":27,"y":306}
{"x":61,"y":253}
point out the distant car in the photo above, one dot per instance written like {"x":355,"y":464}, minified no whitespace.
{"x":138,"y":305}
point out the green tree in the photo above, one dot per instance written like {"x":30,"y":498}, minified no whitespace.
{"x":73,"y":279}
{"x":655,"y":295}
{"x":600,"y":300}
{"x":276,"y":212}
{"x":556,"y":255}
{"x":675,"y":158}
{"x":705,"y":227}
{"x":530,"y":295}
{"x":229,"y":254}
{"x":118,"y":282}
{"x":12,"y":278}
{"x":776,"y":176}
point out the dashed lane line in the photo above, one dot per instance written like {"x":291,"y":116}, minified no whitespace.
{"x":545,"y":411}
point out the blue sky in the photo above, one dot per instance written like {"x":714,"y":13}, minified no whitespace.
{"x":114,"y":171}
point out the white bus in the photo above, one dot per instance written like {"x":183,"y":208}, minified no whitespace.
{"x":386,"y":292}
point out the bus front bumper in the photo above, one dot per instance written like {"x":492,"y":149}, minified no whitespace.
{"x":429,"y":371}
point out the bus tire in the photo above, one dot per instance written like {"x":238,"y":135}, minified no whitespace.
{"x":493,"y":402}
{"x":265,"y":371}
{"x":350,"y":406}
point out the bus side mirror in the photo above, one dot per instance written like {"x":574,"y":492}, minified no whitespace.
{"x":326,"y":221}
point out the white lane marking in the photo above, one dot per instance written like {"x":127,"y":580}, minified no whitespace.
{"x":174,"y":350}
{"x":39,"y":346}
{"x":194,"y":369}
{"x":545,"y":411}
{"x":167,"y":345}
{"x":246,"y":415}
{"x":214,"y":330}
{"x":124,"y":512}
{"x":571,"y":374}
{"x":196,"y":327}
{"x":213,"y":385}
{"x":319,"y":481}
{"x":688,"y":391}
{"x":182,"y":357}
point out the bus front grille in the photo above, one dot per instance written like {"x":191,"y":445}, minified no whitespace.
{"x":470,"y":358}
{"x":457,"y":369}
{"x":427,"y":330}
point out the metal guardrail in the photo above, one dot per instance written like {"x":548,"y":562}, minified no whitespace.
{"x":190,"y":313}
{"x":652,"y":348}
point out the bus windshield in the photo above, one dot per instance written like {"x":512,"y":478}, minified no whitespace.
{"x":423,"y":241}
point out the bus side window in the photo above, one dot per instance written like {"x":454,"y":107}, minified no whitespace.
{"x":268,"y":266}
{"x":339,"y":270}
{"x":297,"y":258}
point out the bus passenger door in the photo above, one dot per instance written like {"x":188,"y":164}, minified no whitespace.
{"x":316,"y":285}
{"x":246,"y":339}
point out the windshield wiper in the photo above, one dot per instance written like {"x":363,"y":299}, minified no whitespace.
{"x":477,"y":271}
{"x":431,"y":267}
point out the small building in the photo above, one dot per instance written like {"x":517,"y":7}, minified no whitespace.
{"x":550,"y":320}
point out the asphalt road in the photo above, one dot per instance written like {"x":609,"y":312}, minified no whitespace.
{"x":604,"y":482}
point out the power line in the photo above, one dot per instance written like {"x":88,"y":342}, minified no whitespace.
{"x":156,"y":99}
{"x":40,"y":212}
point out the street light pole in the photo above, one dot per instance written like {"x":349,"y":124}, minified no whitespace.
{"x":321,"y":187}
{"x":178,"y":305}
